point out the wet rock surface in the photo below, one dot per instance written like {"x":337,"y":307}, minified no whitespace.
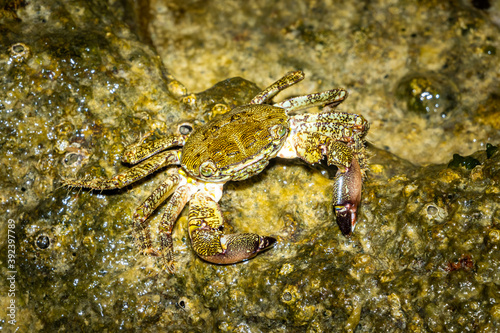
{"x":76,"y":85}
{"x":370,"y":48}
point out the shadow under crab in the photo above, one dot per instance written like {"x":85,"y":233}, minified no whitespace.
{"x":235,"y":146}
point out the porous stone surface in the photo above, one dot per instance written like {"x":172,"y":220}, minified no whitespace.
{"x":77,"y":85}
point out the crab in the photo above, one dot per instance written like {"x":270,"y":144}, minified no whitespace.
{"x":235,"y":146}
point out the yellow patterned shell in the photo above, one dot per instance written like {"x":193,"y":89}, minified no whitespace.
{"x":237,"y":144}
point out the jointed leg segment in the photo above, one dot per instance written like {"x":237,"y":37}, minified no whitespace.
{"x":142,"y":150}
{"x":128,"y":176}
{"x":286,"y":81}
{"x":330,"y":97}
{"x":142,"y":213}
{"x":172,"y":211}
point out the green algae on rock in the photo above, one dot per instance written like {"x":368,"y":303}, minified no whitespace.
{"x":424,"y":256}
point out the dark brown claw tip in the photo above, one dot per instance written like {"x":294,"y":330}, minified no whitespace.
{"x":346,"y":218}
{"x":266,"y":242}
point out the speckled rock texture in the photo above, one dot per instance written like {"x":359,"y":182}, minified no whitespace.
{"x":80,"y":80}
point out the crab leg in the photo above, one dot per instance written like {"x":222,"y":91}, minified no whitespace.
{"x":340,"y":126}
{"x":287,"y":80}
{"x":329,"y":122}
{"x":330,"y":97}
{"x":206,"y":229}
{"x":159,"y":195}
{"x":142,"y":150}
{"x":179,"y":198}
{"x":128,"y":176}
{"x":174,"y":208}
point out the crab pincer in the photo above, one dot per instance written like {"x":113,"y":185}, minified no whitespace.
{"x":206,"y":230}
{"x":347,"y":197}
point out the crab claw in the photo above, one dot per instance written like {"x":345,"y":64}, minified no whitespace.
{"x":206,"y":230}
{"x":240,"y":247}
{"x":347,"y":196}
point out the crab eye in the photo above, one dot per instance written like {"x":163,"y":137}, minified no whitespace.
{"x":185,"y":129}
{"x":278,"y":131}
{"x":207,"y":168}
